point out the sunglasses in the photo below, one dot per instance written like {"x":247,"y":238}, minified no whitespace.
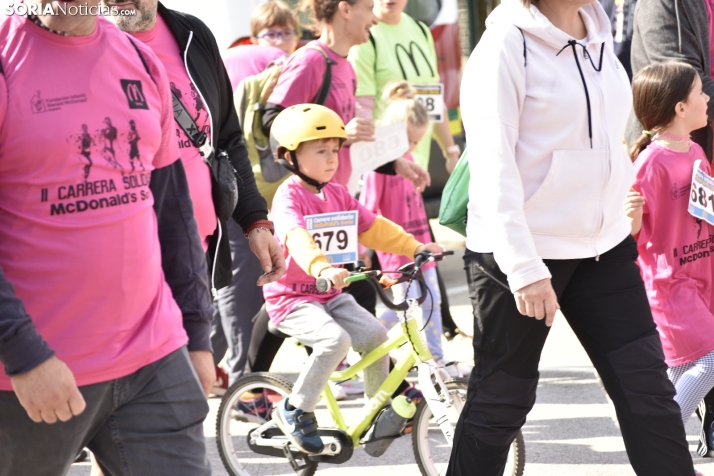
{"x":273,"y":36}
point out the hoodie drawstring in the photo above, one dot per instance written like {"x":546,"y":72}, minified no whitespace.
{"x":572,"y":44}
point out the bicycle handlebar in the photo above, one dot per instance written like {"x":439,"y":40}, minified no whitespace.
{"x":408,"y":272}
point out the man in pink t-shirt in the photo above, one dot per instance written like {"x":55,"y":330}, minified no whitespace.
{"x":81,"y":153}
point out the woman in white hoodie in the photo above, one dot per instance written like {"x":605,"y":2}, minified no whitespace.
{"x":545,"y":102}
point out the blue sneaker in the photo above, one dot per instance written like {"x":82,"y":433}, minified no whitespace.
{"x":300,"y":427}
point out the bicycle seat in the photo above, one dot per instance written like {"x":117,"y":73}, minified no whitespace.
{"x":275,"y":331}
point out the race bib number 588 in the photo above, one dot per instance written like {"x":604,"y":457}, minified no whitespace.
{"x":701,"y":195}
{"x":335,"y":234}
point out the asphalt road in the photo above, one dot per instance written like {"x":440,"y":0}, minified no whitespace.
{"x":570,"y":432}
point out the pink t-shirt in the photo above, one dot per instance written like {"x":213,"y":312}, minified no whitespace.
{"x":82,"y":125}
{"x":300,"y":82}
{"x":675,"y":253}
{"x":387,"y":195}
{"x":246,"y":60}
{"x":198,"y":174}
{"x":291,"y":204}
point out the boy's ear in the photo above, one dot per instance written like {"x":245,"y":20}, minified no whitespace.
{"x":288,"y":156}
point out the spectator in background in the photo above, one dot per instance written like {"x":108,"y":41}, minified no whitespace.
{"x":274,"y":36}
{"x":400,"y":48}
{"x":674,"y":30}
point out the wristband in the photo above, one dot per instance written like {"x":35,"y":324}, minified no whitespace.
{"x":453,"y":149}
{"x":266,"y":225}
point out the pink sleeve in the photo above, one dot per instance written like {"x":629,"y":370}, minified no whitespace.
{"x":3,"y":99}
{"x":365,"y":216}
{"x":646,"y":185}
{"x":372,"y":191}
{"x":167,"y":152}
{"x":286,"y":213}
{"x":300,"y":79}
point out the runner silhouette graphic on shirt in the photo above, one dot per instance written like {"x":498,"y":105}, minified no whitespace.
{"x":177,"y":92}
{"x":199,"y":102}
{"x":37,"y":103}
{"x":133,"y":139}
{"x":85,"y":142}
{"x":109,"y":134}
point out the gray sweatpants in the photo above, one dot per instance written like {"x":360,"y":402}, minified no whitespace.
{"x":330,"y":329}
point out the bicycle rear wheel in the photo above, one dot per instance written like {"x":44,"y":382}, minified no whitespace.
{"x":233,"y":424}
{"x":431,"y":449}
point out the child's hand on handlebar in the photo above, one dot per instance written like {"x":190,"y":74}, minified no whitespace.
{"x":336,"y":276}
{"x":431,"y":248}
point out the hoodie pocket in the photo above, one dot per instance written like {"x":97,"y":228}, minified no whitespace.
{"x":568,"y":202}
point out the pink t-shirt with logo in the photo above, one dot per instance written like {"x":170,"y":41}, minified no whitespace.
{"x":291,"y":204}
{"x":300,"y":82}
{"x":198,"y":174}
{"x":675,"y":253}
{"x":247,"y":60}
{"x":82,"y":125}
{"x":394,"y":198}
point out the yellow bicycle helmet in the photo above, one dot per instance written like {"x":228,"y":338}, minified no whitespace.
{"x":302,"y":123}
{"x":305,"y":122}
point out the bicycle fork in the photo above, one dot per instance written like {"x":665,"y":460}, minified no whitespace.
{"x":438,"y":402}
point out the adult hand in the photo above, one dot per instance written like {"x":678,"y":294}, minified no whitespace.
{"x":49,"y":392}
{"x":337,"y":276}
{"x":359,"y":129}
{"x":431,"y":248}
{"x":202,"y":361}
{"x":262,"y":243}
{"x":366,"y":259}
{"x":538,"y":300}
{"x":414,"y":173}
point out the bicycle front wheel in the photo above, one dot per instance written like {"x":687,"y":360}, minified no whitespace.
{"x":431,"y":449}
{"x":244,"y":407}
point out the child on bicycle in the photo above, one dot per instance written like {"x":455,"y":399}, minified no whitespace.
{"x":309,"y":138}
{"x":676,"y":267}
{"x":388,"y":195}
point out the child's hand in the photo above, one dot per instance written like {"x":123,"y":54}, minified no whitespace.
{"x":633,"y":204}
{"x":337,"y":276}
{"x":431,"y":248}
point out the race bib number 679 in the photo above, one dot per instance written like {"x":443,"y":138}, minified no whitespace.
{"x":701,"y":195}
{"x":335,"y":234}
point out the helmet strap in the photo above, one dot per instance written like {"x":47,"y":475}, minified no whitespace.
{"x":295,"y":168}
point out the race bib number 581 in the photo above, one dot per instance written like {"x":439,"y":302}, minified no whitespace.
{"x":701,"y":195}
{"x":335,"y":234}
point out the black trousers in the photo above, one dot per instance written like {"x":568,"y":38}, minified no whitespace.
{"x":604,"y":302}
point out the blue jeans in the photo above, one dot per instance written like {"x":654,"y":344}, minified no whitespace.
{"x":149,"y":422}
{"x":236,"y":306}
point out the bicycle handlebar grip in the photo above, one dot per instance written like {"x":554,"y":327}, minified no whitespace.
{"x":323,"y":284}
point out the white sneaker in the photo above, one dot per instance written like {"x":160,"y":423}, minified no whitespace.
{"x":338,"y":391}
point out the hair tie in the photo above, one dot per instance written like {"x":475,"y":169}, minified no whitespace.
{"x":647,"y":133}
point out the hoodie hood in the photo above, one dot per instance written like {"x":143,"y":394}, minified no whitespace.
{"x":533,"y":22}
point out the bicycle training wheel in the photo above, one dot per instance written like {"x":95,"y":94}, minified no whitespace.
{"x":238,"y":415}
{"x":431,"y":449}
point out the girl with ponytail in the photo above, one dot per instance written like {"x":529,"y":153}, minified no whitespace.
{"x":676,"y":268}
{"x":394,"y":198}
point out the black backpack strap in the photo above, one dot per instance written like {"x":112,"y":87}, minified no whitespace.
{"x":374,"y":45}
{"x":182,"y":116}
{"x":324,"y":91}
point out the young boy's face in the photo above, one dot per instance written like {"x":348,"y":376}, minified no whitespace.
{"x":280,"y":36}
{"x":318,"y":159}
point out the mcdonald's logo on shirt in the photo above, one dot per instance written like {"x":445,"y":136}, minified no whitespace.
{"x":410,"y":53}
{"x":134,"y":93}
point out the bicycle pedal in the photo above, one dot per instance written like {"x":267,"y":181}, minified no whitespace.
{"x":291,"y":459}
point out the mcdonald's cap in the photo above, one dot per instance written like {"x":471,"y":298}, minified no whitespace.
{"x":306,"y":122}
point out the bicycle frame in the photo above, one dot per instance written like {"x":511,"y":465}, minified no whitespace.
{"x":407,"y":358}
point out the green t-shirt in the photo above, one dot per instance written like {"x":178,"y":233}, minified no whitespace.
{"x":403,"y":51}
